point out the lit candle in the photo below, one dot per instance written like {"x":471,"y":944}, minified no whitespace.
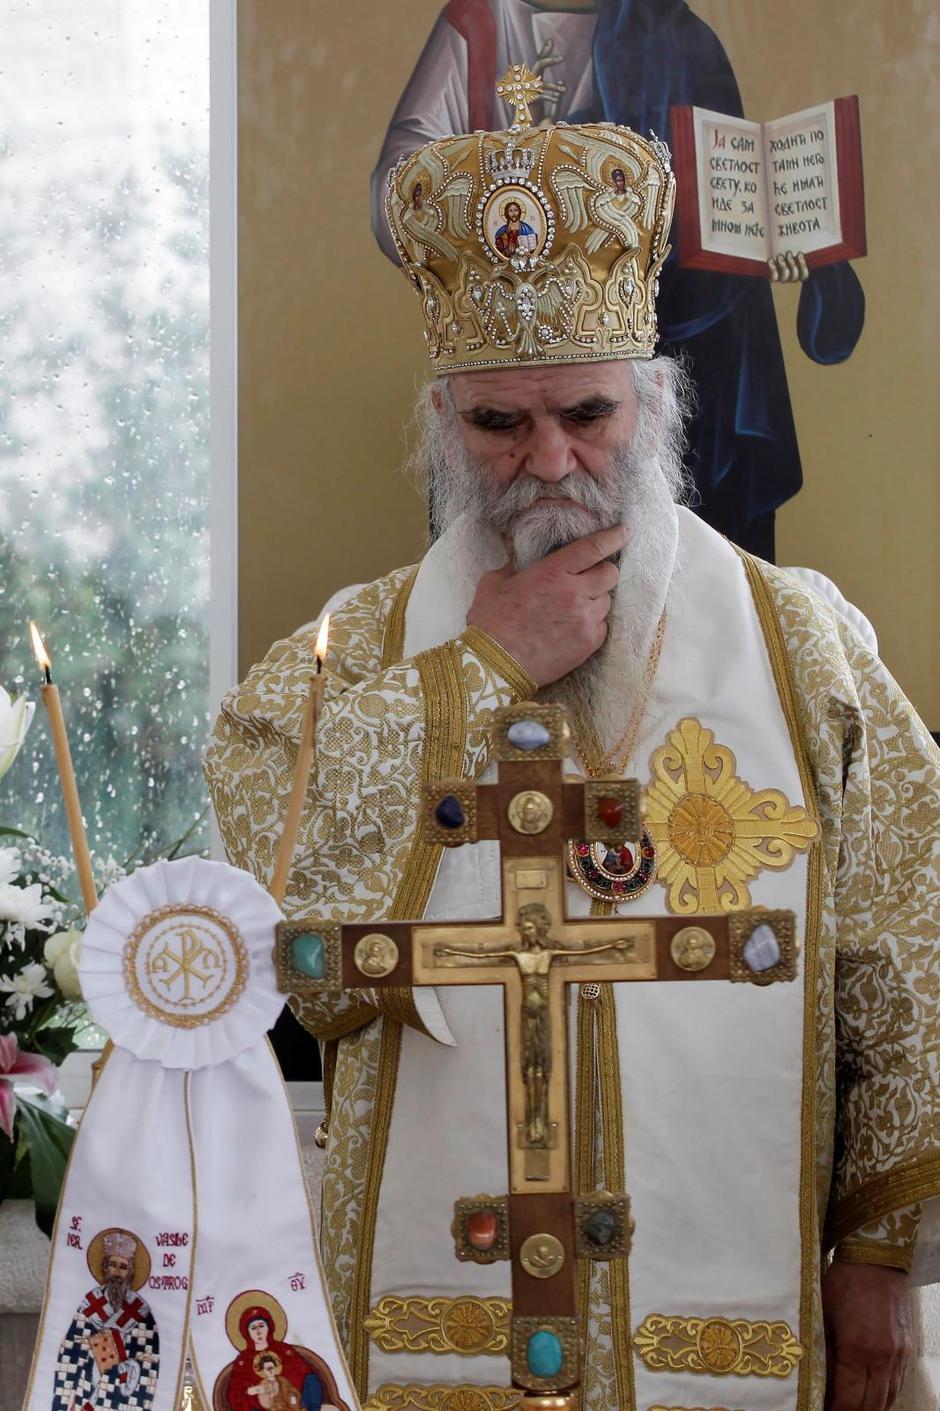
{"x":60,"y":742}
{"x":302,"y":766}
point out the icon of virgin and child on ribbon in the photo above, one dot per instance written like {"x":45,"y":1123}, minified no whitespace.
{"x":165,"y":1249}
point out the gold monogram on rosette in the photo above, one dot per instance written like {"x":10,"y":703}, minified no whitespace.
{"x":185,"y":965}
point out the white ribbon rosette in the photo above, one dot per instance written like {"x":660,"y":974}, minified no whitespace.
{"x":185,"y":1224}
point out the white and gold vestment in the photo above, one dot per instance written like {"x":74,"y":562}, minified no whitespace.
{"x":751,"y":1128}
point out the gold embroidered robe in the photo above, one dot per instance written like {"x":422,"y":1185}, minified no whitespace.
{"x":391,"y":722}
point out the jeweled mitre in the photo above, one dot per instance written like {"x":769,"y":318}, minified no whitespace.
{"x":535,"y":244}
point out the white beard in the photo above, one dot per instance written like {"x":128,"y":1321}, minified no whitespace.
{"x":612,"y":680}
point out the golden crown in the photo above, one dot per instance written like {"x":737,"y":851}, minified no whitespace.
{"x":533,"y":244}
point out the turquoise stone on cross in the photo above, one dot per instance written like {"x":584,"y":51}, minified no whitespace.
{"x":308,"y":956}
{"x":544,"y":1353}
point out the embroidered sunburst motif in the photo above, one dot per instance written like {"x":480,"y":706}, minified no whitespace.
{"x":713,"y":832}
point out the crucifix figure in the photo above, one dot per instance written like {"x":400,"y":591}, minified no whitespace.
{"x":534,"y":959}
{"x":533,"y":951}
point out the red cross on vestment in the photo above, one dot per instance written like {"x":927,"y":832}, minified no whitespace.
{"x":96,"y":1307}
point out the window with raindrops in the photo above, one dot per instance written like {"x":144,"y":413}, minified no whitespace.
{"x":104,"y":423}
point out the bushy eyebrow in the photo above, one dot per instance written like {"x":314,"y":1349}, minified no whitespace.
{"x":589,"y":409}
{"x":490,"y":419}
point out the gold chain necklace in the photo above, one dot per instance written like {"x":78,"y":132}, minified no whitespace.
{"x":596,"y":762}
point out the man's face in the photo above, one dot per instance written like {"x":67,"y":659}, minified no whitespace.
{"x":115,"y":1266}
{"x":555,"y":426}
{"x":620,"y":182}
{"x":513,"y":214}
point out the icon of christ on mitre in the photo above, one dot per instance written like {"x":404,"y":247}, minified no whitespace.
{"x":772,"y":1170}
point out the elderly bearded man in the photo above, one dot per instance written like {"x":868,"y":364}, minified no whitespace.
{"x":756,"y":1129}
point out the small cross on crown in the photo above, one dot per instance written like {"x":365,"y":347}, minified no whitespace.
{"x":518,"y":86}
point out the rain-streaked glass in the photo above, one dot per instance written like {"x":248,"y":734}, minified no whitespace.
{"x":104,"y":451}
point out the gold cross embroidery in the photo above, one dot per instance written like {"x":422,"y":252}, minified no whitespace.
{"x":713,"y":832}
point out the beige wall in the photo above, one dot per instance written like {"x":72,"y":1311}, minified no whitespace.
{"x":330,"y":344}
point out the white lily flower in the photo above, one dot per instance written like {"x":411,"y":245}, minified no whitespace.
{"x":15,"y":717}
{"x":26,"y":905}
{"x":28,"y":985}
{"x":10,"y":864}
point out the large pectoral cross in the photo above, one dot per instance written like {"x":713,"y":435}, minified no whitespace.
{"x":534,"y":952}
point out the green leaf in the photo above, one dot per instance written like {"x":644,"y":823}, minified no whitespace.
{"x":55,"y":1042}
{"x":48,"y":1140}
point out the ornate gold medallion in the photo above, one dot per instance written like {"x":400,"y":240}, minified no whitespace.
{"x":185,"y":965}
{"x":530,"y":811}
{"x":692,"y":948}
{"x":542,"y":1256}
{"x":712,"y":831}
{"x":375,"y":955}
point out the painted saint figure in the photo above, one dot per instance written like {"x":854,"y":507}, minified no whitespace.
{"x":109,"y":1358}
{"x":514,"y":236}
{"x":270,"y":1374}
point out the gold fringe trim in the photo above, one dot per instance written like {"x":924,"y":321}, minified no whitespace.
{"x":499,"y":660}
{"x":783,"y":679}
{"x":907,"y":1184}
{"x":393,"y":641}
{"x":445,"y":742}
{"x":870,"y":1252}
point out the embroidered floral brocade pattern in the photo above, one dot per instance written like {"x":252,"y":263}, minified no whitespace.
{"x":892,"y":1240}
{"x":346,"y":1166}
{"x":882,"y":840}
{"x":358,"y":827}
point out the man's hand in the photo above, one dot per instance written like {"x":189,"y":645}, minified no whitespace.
{"x":553,"y":616}
{"x":867,"y":1313}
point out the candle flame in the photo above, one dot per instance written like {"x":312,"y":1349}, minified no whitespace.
{"x":43,"y":660}
{"x":322,"y":638}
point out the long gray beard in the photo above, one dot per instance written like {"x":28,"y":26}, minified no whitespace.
{"x":116,"y":1290}
{"x":634,"y":493}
